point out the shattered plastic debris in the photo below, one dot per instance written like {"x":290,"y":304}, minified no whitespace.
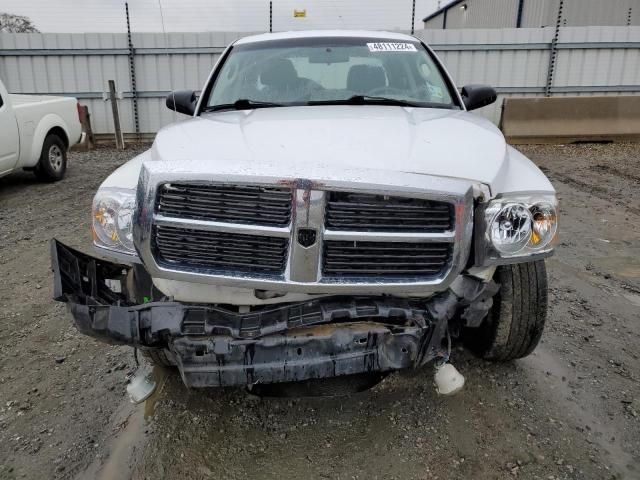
{"x":141,"y":385}
{"x":448,"y":380}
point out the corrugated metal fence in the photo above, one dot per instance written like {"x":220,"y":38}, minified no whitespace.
{"x":588,"y":61}
{"x":516,"y":61}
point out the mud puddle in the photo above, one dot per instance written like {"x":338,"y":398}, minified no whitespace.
{"x":623,"y":266}
{"x":559,"y":384}
{"x":131,"y":423}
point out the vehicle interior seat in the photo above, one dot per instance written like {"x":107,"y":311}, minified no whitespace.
{"x":365,"y":78}
{"x":281,"y":76}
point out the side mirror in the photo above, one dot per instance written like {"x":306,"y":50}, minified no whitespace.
{"x":478,"y":96}
{"x":182,"y":101}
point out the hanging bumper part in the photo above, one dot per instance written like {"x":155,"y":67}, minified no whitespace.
{"x":215,"y":346}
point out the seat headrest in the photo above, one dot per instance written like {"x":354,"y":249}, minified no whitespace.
{"x":280,"y":72}
{"x":364,"y":78}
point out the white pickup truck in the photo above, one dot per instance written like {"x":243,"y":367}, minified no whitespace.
{"x":35,"y":133}
{"x":330,"y":211}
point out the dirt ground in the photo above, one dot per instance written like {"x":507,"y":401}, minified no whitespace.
{"x":569,"y":411}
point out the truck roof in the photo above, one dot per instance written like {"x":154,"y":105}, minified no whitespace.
{"x":392,"y":36}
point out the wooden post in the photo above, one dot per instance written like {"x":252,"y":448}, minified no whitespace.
{"x":116,"y":115}
{"x":85,"y":121}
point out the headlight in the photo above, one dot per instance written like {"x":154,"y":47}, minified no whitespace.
{"x":113,"y":219}
{"x":516,"y":226}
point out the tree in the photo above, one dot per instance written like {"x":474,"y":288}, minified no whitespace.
{"x":10,"y":23}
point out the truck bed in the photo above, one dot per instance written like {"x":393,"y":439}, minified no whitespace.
{"x":19,"y":100}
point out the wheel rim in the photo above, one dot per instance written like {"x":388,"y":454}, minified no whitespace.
{"x":55,"y":157}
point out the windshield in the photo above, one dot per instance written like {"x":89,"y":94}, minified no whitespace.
{"x":327,"y":70}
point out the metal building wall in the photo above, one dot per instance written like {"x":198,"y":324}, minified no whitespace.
{"x":538,"y":13}
{"x":598,"y":12}
{"x":483,"y":14}
{"x":590,"y":61}
{"x":435,"y":22}
{"x":579,"y":13}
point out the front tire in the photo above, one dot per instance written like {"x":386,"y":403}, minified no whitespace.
{"x":53,"y":159}
{"x":516,"y":320}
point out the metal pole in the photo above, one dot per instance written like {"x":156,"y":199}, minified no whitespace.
{"x":132,"y":75}
{"x":553,"y":53}
{"x":270,"y":17}
{"x":116,"y":115}
{"x":520,"y":10}
{"x":413,"y":17}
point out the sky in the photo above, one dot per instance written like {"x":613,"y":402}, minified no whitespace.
{"x":77,"y":16}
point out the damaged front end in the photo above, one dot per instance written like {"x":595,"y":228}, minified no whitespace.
{"x":217,"y":346}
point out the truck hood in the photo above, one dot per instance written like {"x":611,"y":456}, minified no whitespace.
{"x":310,"y":140}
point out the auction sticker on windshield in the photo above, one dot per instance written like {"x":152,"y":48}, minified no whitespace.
{"x":391,"y":47}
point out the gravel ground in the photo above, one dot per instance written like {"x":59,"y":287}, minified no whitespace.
{"x":569,"y":411}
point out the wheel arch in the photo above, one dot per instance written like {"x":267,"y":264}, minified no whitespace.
{"x":50,"y":123}
{"x":60,"y":132}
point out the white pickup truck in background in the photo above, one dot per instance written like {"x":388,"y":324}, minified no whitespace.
{"x":35,"y":133}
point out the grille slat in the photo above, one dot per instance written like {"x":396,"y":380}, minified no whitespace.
{"x":205,"y":209}
{"x":382,"y":265}
{"x":382,"y":227}
{"x":350,"y":248}
{"x":360,"y":202}
{"x":378,"y":213}
{"x":349,"y":257}
{"x":213,"y":246}
{"x":173,"y":247}
{"x":214,"y":249}
{"x":388,"y":259}
{"x":228,"y":252}
{"x":171,"y":200}
{"x":237,"y":191}
{"x":247,"y":204}
{"x":387,"y":273}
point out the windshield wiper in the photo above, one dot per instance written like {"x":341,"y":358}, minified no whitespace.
{"x":241,"y":104}
{"x":365,"y":100}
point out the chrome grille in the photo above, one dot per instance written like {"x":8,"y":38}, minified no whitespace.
{"x":200,"y":227}
{"x":379,"y":213}
{"x":387,"y":259}
{"x":222,"y":252}
{"x":247,"y":204}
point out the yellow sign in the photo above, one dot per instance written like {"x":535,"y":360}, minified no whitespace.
{"x":299,"y":13}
